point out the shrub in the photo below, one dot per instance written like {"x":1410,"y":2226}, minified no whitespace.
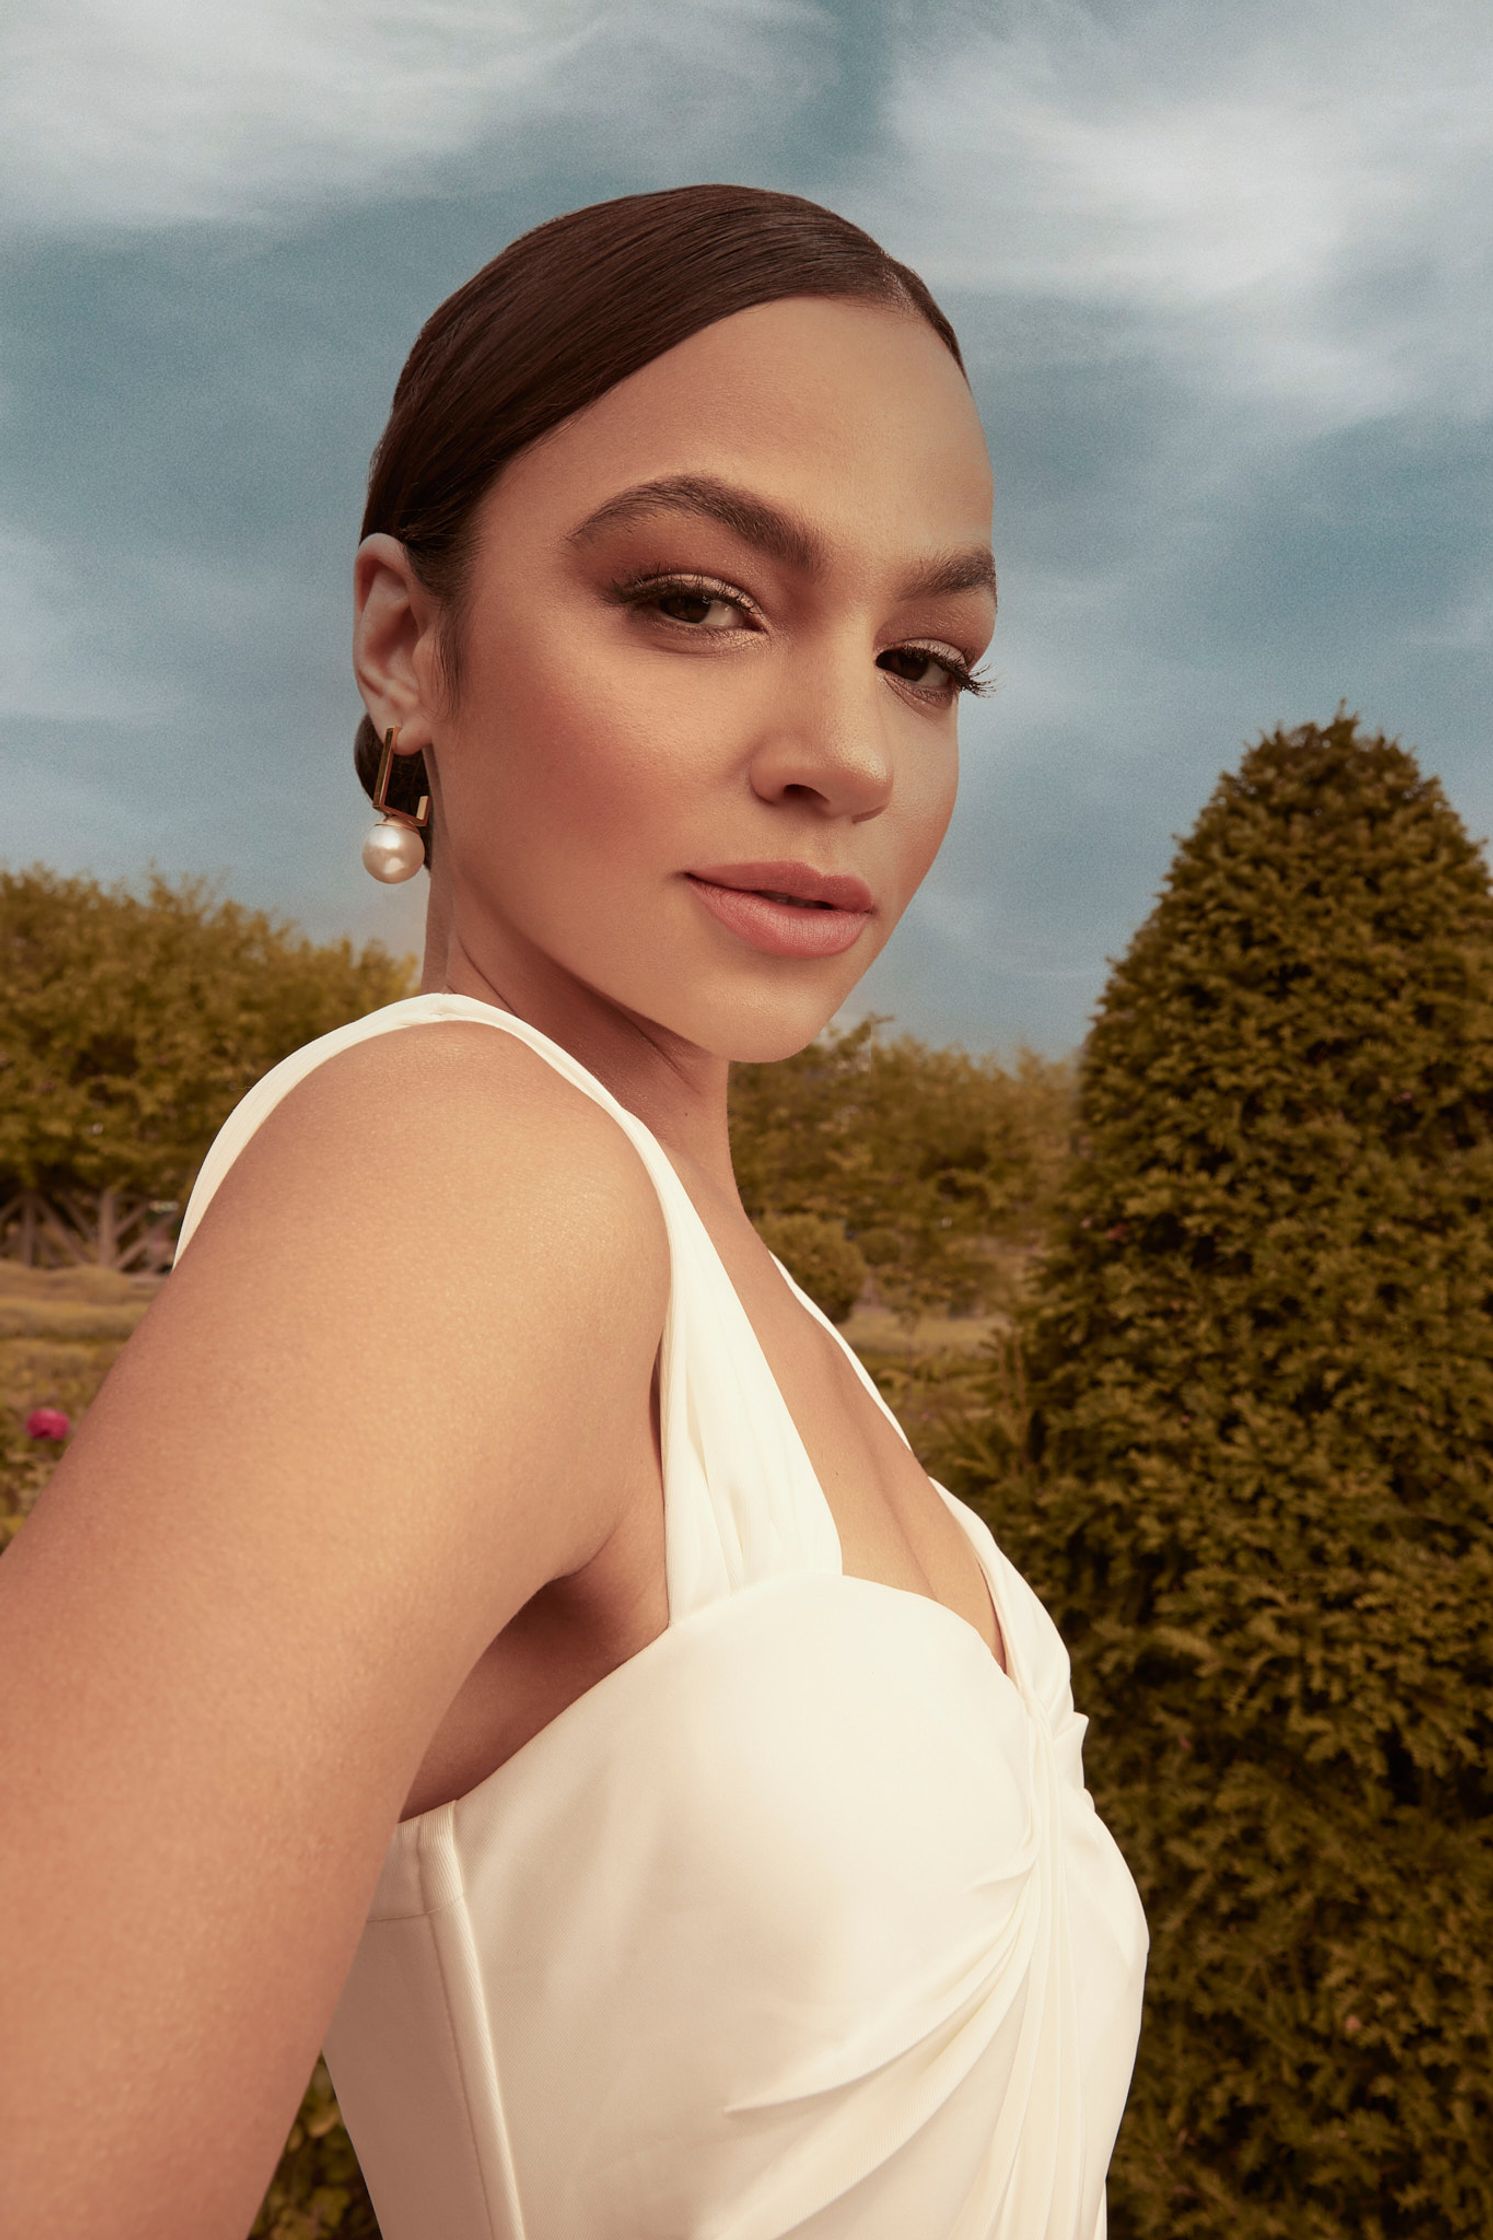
{"x":130,"y":1027}
{"x":881,"y":1246}
{"x":317,"y":2191}
{"x":1255,"y":1489}
{"x":942,"y":1149}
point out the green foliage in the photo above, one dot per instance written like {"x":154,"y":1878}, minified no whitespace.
{"x":318,"y":2190}
{"x":882,"y":1246}
{"x":817,"y":1254}
{"x":130,"y":1028}
{"x":1255,"y":1489}
{"x":933,"y":1152}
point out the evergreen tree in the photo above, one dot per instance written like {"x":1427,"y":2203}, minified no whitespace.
{"x":1254,"y":1486}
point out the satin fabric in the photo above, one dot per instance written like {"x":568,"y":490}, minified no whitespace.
{"x":801,"y":1921}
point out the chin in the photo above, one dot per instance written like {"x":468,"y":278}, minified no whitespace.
{"x":764,"y":1033}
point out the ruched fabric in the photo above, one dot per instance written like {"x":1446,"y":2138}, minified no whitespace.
{"x":801,"y":1921}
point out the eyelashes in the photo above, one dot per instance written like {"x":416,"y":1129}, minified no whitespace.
{"x":650,"y":587}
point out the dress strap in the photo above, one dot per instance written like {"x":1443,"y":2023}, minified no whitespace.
{"x":741,"y":1502}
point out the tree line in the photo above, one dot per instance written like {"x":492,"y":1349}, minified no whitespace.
{"x":130,"y":1026}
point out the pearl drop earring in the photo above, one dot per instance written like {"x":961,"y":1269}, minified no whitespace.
{"x":394,"y":850}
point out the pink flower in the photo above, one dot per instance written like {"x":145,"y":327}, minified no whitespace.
{"x":47,"y":1423}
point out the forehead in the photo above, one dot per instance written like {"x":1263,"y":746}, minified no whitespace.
{"x":854,"y":418}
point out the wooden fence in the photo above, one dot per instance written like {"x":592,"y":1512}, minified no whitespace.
{"x":109,"y":1228}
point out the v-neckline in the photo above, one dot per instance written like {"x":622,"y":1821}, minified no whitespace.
{"x":864,"y":1375}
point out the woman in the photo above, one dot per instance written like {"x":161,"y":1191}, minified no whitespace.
{"x":488,"y":1623}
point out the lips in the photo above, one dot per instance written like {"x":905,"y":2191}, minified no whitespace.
{"x":781,"y":929}
{"x":799,"y":882}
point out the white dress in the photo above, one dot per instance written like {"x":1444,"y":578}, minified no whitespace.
{"x":801,"y":1921}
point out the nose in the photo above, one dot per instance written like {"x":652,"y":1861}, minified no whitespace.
{"x":828,"y":736}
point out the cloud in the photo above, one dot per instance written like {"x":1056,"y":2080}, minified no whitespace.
{"x":154,"y":112}
{"x":147,"y":113}
{"x":1285,"y":205}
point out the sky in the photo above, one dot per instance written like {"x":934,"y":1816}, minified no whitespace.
{"x":1220,"y":276}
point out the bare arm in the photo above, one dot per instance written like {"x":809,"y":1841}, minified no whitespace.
{"x":371,"y":1413}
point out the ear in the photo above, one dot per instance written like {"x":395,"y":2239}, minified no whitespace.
{"x":394,"y":643}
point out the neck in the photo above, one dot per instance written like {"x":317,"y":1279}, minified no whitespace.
{"x":437,"y":936}
{"x":685,"y":1107}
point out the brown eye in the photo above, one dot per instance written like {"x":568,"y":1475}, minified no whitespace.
{"x":687,"y":595}
{"x":955,"y":672}
{"x":697,"y":591}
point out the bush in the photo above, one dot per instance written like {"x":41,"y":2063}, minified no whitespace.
{"x":317,"y":2191}
{"x":817,"y":1254}
{"x":945,"y":1151}
{"x":1255,"y":1490}
{"x":881,"y":1247}
{"x":130,"y":1027}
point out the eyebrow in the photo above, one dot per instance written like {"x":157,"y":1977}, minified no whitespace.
{"x":783,"y":535}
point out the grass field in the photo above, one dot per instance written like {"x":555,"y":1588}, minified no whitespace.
{"x":59,"y":1330}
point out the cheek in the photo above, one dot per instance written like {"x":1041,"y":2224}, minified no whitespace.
{"x":568,"y":750}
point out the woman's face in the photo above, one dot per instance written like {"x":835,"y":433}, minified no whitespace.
{"x":613,"y":733}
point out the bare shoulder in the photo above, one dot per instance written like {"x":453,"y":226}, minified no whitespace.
{"x":482,"y":1231}
{"x":364,"y":1421}
{"x":476,"y":1102}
